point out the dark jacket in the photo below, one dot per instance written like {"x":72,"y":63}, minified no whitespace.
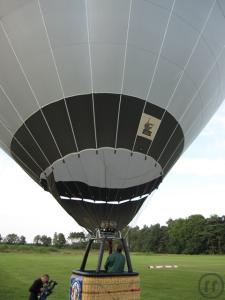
{"x":36,"y":286}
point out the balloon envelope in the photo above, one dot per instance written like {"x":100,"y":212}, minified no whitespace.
{"x":99,"y":98}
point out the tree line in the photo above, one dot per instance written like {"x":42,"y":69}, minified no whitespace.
{"x":58,"y":240}
{"x":192,"y":235}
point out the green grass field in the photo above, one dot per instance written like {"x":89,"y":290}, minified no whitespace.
{"x":18,"y":270}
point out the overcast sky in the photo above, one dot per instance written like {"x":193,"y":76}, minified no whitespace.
{"x":196,"y":185}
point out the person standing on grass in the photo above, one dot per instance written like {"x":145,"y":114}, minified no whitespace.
{"x":37,"y":287}
{"x":116,"y":261}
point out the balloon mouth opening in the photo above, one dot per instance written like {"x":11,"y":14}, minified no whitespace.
{"x":104,"y":201}
{"x":105,"y":215}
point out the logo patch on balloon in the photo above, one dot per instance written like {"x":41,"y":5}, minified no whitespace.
{"x":148,"y":126}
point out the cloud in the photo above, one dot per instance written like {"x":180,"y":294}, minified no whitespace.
{"x":216,"y":125}
{"x":208,"y":132}
{"x":219,"y":118}
{"x":180,"y":201}
{"x":200,"y":167}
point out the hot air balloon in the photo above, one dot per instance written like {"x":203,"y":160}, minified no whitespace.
{"x":99,"y":98}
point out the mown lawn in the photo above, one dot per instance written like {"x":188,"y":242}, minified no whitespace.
{"x":18,"y":270}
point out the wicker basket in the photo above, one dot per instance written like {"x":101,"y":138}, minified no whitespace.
{"x":107,"y":288}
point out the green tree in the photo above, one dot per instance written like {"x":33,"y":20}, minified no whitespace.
{"x":55,"y":237}
{"x":76,"y":237}
{"x":164,"y":240}
{"x":215,"y":234}
{"x":195,"y":241}
{"x":154,"y":236}
{"x":59,"y":240}
{"x":1,"y":238}
{"x":37,"y":240}
{"x":11,"y":238}
{"x":134,"y":239}
{"x":177,"y":235}
{"x":22,"y":240}
{"x":45,"y":240}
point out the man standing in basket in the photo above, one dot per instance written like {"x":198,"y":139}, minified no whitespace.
{"x":115,"y":262}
